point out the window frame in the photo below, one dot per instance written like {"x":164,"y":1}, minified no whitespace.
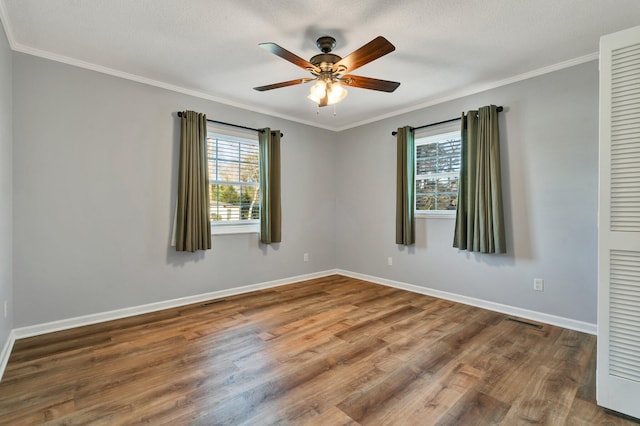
{"x":249,"y":226}
{"x":431,"y":133}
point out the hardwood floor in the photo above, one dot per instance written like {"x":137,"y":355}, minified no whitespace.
{"x":329,"y":351}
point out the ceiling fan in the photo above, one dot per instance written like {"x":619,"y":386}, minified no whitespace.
{"x":329,"y":70}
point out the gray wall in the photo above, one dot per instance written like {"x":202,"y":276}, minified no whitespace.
{"x":95,"y":175}
{"x":549,"y":141}
{"x":95,"y":164}
{"x":6,"y":188}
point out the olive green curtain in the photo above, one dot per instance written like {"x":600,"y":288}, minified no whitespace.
{"x":270,"y":207}
{"x":405,"y":195}
{"x":479,"y":214}
{"x":193,"y":223}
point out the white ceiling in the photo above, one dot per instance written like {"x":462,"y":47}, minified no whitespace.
{"x":444,"y":48}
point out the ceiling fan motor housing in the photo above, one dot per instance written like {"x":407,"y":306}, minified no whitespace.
{"x":326,"y":44}
{"x":325,"y":61}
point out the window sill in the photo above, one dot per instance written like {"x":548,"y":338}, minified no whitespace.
{"x":249,"y":228}
{"x":436,"y":215}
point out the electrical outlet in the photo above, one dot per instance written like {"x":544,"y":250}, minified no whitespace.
{"x":305,"y":257}
{"x":538,"y":284}
{"x":390,"y":261}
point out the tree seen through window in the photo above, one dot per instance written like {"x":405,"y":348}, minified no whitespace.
{"x":233,"y":179}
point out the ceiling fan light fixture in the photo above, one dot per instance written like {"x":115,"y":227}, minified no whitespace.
{"x":331,"y":92}
{"x":336,"y":93}
{"x":318,"y":91}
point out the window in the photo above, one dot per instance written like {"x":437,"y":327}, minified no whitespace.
{"x":437,"y":171}
{"x":234,"y":181}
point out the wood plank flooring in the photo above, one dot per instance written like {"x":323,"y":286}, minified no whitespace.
{"x":330,"y":351}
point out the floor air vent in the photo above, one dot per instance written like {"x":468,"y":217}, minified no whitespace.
{"x":213,"y":302}
{"x":519,"y":321}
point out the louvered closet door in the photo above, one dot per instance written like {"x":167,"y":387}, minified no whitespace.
{"x":618,"y":376}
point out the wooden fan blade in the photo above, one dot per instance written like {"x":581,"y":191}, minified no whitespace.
{"x":285,"y":54}
{"x":373,"y":50}
{"x":283,"y":84}
{"x":370,"y":83}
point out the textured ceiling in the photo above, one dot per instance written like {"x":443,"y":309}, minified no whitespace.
{"x":444,"y":48}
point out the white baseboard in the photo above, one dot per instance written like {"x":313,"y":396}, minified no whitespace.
{"x":65,"y":324}
{"x":569,"y":323}
{"x":38,"y":329}
{"x":6,"y":352}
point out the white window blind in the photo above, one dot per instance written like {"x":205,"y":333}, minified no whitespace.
{"x":234,"y":180}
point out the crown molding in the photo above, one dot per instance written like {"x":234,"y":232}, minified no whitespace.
{"x":6,"y":24}
{"x":478,"y":88}
{"x":471,"y":90}
{"x":151,"y":82}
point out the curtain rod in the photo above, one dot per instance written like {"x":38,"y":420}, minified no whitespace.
{"x":232,"y":125}
{"x":499,"y":109}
